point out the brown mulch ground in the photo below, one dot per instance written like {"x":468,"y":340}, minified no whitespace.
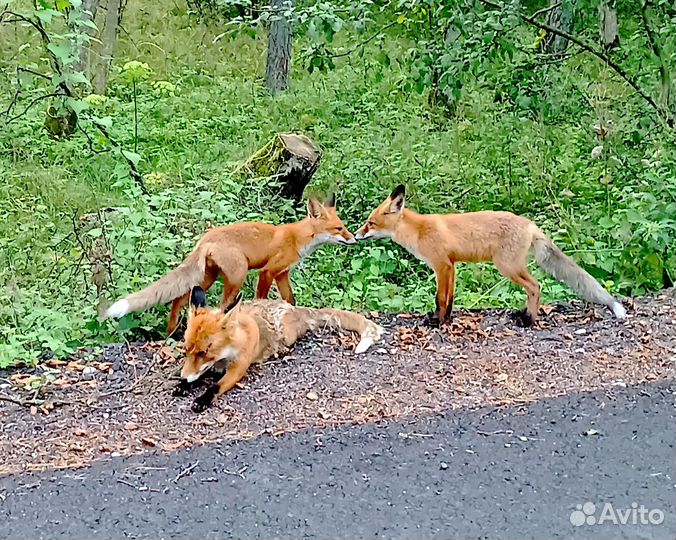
{"x":119,"y":403}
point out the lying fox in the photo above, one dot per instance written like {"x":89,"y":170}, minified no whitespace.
{"x":232,"y":251}
{"x":502,"y":237}
{"x":249,"y":333}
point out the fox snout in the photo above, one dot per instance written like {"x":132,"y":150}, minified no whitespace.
{"x":347,"y":238}
{"x":362,"y":233}
{"x":191,"y":371}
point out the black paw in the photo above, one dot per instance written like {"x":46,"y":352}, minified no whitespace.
{"x":203,"y":402}
{"x":431,"y":320}
{"x":182,"y":389}
{"x":523,"y":318}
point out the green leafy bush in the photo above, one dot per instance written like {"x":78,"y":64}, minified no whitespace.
{"x":511,"y":137}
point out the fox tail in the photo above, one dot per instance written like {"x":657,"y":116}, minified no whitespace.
{"x":176,"y":283}
{"x":368,"y":331}
{"x":553,"y":261}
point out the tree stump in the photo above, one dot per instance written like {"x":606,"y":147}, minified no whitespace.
{"x":290,"y":157}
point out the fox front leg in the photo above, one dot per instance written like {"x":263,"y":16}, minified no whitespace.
{"x":183,"y":388}
{"x":232,"y":376}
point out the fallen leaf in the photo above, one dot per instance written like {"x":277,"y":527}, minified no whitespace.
{"x":75,"y":366}
{"x":54,"y":362}
{"x":34,"y":410}
{"x":590,"y":432}
{"x":148,"y":441}
{"x":130,"y":426}
{"x":312,"y":396}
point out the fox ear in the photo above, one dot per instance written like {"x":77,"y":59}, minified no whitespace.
{"x":397,"y":199}
{"x":330,"y":201}
{"x":232,"y":309}
{"x":315,"y":209}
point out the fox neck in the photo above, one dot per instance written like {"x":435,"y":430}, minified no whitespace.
{"x":307,"y":237}
{"x":407,"y":233}
{"x":406,"y":230}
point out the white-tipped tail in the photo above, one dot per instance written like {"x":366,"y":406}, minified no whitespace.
{"x":363,"y":345}
{"x":619,"y":311}
{"x":118,"y":309}
{"x":369,"y":332}
{"x":552,"y":260}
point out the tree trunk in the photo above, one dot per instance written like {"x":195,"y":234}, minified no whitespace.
{"x":666,"y":89}
{"x":562,"y":18}
{"x":290,"y":158}
{"x":108,"y":38}
{"x":84,"y":63}
{"x":608,"y":24}
{"x":279,"y":48}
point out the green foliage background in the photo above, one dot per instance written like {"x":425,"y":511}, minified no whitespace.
{"x":513,"y":136}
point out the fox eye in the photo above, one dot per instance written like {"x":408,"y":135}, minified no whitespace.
{"x":339,"y":229}
{"x":370,"y":224}
{"x":201,"y":354}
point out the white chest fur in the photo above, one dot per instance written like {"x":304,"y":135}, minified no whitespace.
{"x":308,"y":248}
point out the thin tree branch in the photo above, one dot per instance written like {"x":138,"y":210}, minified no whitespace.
{"x":631,"y":81}
{"x":545,"y":10}
{"x":36,"y":73}
{"x":359,"y":45}
{"x":32,"y":103}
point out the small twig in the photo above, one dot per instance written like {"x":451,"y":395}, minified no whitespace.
{"x":18,"y":401}
{"x":119,"y":480}
{"x":239,"y":473}
{"x":186,"y":471}
{"x":496,"y":432}
{"x":38,"y":402}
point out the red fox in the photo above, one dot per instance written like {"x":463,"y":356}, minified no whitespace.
{"x":233,"y":250}
{"x":249,"y":333}
{"x":502,"y":237}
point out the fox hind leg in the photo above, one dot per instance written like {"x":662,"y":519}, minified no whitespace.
{"x":209,"y":278}
{"x":518,"y":274}
{"x":234,"y":267}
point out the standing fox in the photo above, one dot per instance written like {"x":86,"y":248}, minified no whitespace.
{"x":252,"y":332}
{"x":502,"y":237}
{"x":232,"y":251}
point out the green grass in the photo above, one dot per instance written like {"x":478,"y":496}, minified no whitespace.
{"x":489,"y":155}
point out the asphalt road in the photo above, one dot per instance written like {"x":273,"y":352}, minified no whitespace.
{"x":494,"y":473}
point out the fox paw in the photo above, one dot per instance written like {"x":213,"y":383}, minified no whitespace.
{"x":182,"y":389}
{"x":523,"y":318}
{"x":432,"y":320}
{"x":203,"y":402}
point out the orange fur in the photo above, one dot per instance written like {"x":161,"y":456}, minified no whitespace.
{"x":251,"y":333}
{"x":441,"y":240}
{"x":231,"y":251}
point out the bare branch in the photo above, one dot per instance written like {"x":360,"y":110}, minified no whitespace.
{"x":545,"y":10}
{"x":32,"y":103}
{"x":631,"y":81}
